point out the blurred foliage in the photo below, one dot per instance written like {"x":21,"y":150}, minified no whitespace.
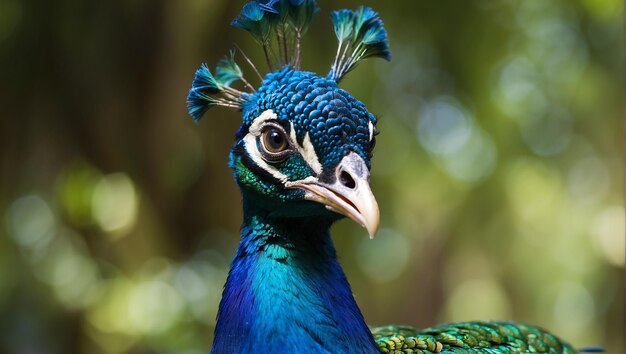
{"x":498,"y":171}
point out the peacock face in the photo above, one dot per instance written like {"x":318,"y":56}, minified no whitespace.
{"x":305,"y":145}
{"x":304,"y":149}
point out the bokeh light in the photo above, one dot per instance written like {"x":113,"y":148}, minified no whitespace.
{"x":607,"y":231}
{"x":114,"y":203}
{"x":384,"y":258}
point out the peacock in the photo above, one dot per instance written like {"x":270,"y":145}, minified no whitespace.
{"x":302,"y":160}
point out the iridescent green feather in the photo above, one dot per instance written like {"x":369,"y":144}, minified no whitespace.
{"x":361,"y":35}
{"x":208,"y":90}
{"x":470,"y":338}
{"x":227,"y":70}
{"x":278,"y":26}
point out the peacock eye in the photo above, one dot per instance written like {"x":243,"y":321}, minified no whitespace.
{"x":274,"y":143}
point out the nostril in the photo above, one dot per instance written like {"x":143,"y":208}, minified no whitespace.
{"x":346,"y":180}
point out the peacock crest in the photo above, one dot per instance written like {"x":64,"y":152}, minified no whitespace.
{"x":278,"y":26}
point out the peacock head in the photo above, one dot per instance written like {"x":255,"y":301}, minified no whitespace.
{"x":304,"y":149}
{"x":305,"y":145}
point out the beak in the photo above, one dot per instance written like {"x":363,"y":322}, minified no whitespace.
{"x":350,"y":194}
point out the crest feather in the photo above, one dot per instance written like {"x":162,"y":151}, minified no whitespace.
{"x":361,"y":35}
{"x":208,"y":90}
{"x":278,"y":26}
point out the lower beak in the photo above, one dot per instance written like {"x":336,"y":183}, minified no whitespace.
{"x":350,"y":195}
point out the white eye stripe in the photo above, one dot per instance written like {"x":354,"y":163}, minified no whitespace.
{"x":370,"y":125}
{"x":258,"y":122}
{"x":307,"y":151}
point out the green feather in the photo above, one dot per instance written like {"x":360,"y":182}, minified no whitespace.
{"x":361,"y":35}
{"x":363,"y":17}
{"x":208,"y":90}
{"x":227,"y":70}
{"x":343,"y":23}
{"x":470,"y":338}
{"x":278,"y":25}
{"x":301,"y":14}
{"x":205,"y":81}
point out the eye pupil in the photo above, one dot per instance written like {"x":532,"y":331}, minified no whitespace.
{"x":274,"y":142}
{"x":275,"y":139}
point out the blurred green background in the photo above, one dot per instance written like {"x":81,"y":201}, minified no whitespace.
{"x":498,"y":170}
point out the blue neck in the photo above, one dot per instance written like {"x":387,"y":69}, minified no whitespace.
{"x":287,"y":293}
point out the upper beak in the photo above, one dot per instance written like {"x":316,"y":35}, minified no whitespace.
{"x":349,"y":195}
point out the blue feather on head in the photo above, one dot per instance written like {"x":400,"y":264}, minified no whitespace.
{"x":278,"y":26}
{"x":336,"y":121}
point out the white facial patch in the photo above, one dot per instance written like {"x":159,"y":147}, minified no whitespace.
{"x":370,"y":125}
{"x":258,"y":122}
{"x":307,"y":151}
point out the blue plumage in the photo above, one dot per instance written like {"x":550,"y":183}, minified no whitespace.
{"x":336,"y":121}
{"x":273,"y":305}
{"x":251,"y":20}
{"x":205,"y":81}
{"x":591,"y":350}
{"x":361,"y":35}
{"x":270,"y":6}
